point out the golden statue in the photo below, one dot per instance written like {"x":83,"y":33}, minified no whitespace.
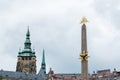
{"x":84,"y":20}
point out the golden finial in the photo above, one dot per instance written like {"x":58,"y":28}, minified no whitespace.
{"x":84,"y":20}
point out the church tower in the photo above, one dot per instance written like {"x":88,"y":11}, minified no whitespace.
{"x":84,"y":52}
{"x":42,"y":71}
{"x":26,"y":58}
{"x":43,"y":64}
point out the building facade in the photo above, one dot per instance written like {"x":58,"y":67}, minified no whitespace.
{"x":106,"y":74}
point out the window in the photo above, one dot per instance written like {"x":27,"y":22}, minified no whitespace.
{"x":20,"y":77}
{"x":29,"y":58}
{"x":25,"y":58}
{"x":6,"y":75}
{"x":19,"y":58}
{"x":22,"y":58}
{"x":35,"y":78}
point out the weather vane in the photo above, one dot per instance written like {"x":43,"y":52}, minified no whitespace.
{"x":84,"y":20}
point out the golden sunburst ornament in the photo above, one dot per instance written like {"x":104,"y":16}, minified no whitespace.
{"x":84,"y":20}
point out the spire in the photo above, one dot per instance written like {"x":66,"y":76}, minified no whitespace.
{"x":43,"y":64}
{"x":27,"y":41}
{"x":42,"y":71}
{"x":28,"y":33}
{"x":27,"y":51}
{"x":43,"y":57}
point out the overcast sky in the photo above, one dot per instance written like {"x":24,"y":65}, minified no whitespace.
{"x":55,"y":26}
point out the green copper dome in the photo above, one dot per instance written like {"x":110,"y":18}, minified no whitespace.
{"x":27,"y":51}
